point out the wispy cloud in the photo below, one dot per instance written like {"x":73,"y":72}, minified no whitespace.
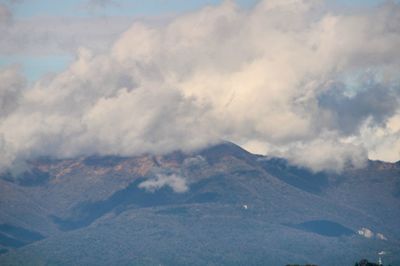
{"x":175,"y":182}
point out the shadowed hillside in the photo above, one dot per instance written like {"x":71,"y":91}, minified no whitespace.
{"x":218,"y":206}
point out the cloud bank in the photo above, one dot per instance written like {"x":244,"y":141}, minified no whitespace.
{"x":285,"y":78}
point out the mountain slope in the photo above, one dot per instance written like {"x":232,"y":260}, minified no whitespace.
{"x":220,"y":205}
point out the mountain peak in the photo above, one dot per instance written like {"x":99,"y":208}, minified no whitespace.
{"x":215,"y":152}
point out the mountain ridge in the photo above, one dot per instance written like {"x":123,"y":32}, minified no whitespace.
{"x":208,"y":187}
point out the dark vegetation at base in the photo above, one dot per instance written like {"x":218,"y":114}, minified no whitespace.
{"x":10,"y":242}
{"x":396,"y":192}
{"x":204,"y":197}
{"x":84,"y":214}
{"x":365,"y":262}
{"x":3,"y":250}
{"x":301,"y":265}
{"x":324,"y":227}
{"x":174,"y":211}
{"x":20,"y":233}
{"x":15,"y":237}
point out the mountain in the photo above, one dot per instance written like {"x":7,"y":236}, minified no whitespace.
{"x":217,"y":206}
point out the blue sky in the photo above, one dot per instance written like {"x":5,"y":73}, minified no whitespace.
{"x":130,"y":7}
{"x":113,"y":8}
{"x":35,"y":66}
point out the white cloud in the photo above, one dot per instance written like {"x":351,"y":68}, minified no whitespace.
{"x":380,"y":236}
{"x":11,"y":85}
{"x":326,"y":153}
{"x":365,"y":232}
{"x":382,"y":142}
{"x":177,"y":183}
{"x":285,"y":76}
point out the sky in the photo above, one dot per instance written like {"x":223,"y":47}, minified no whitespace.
{"x":37,"y":65}
{"x":313,"y":81}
